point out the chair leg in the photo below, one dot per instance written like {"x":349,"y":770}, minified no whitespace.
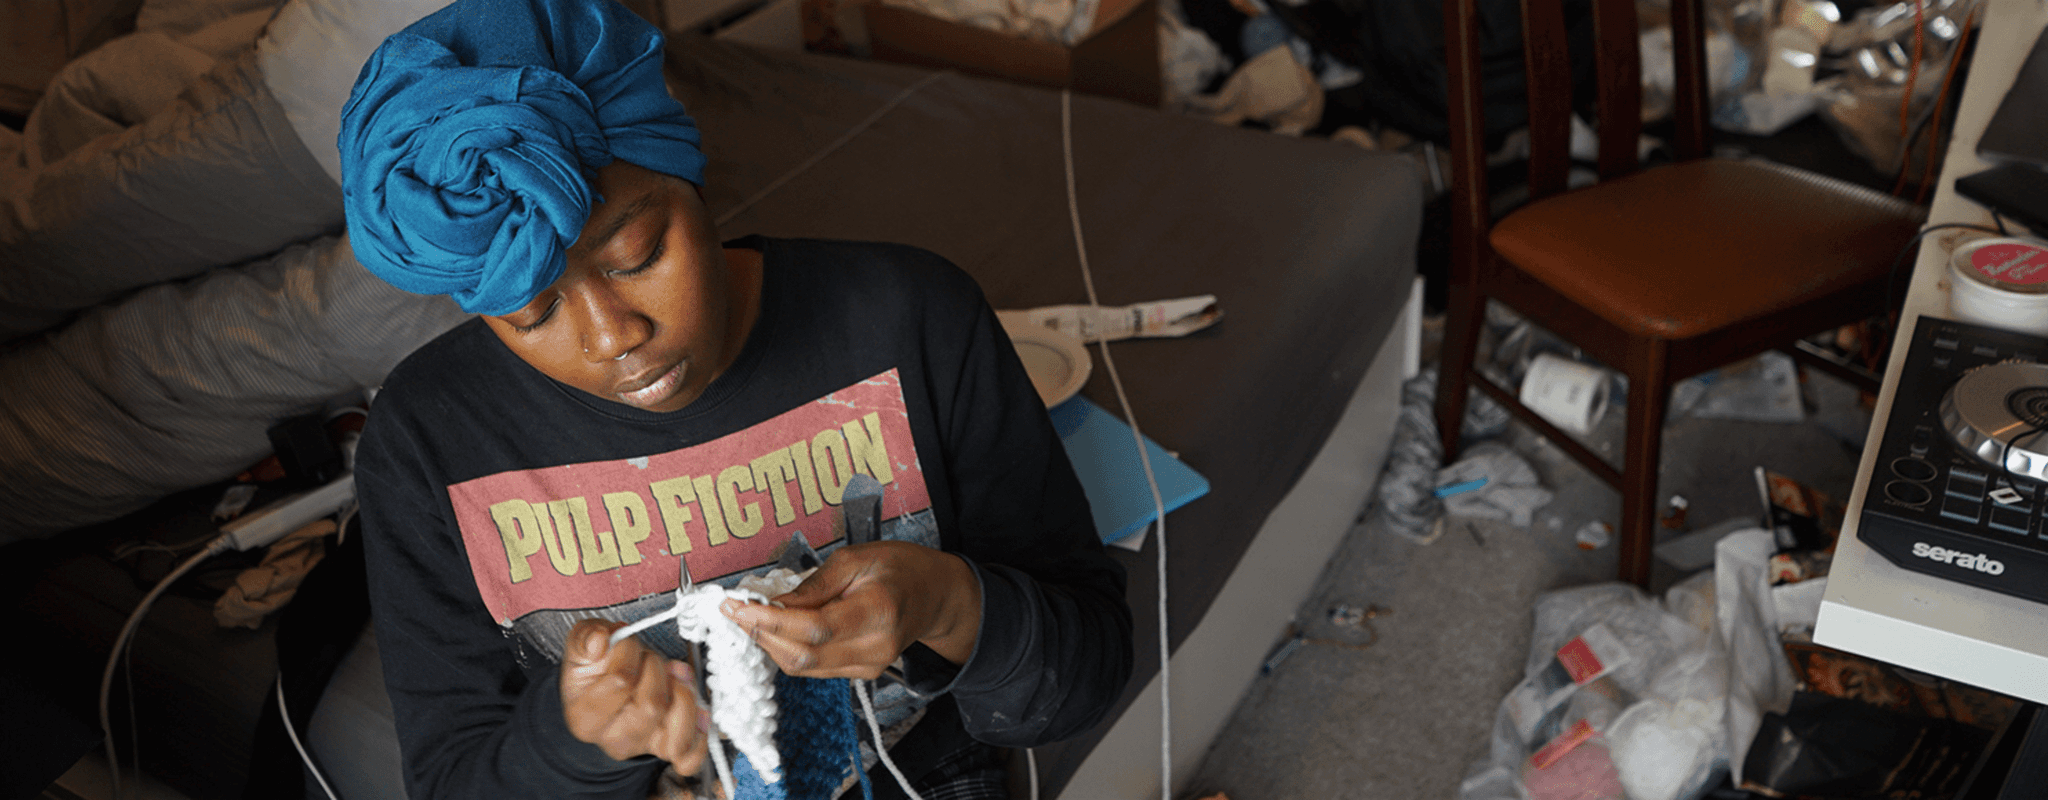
{"x":1648,"y":376}
{"x":1465,"y":313}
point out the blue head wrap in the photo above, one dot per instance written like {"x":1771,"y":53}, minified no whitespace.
{"x":468,"y":142}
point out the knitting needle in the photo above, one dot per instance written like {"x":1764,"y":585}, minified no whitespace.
{"x":707,"y":777}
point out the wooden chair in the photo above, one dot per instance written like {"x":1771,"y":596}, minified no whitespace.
{"x":1660,"y":273}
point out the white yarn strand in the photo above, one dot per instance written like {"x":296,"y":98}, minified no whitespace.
{"x":828,"y":149}
{"x":867,"y":707}
{"x":1144,"y":458}
{"x":718,"y":760}
{"x":649,"y":621}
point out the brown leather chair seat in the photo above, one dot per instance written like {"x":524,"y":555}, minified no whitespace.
{"x":1700,"y":246}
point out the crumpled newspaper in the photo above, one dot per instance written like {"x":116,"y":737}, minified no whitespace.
{"x":1511,"y":490}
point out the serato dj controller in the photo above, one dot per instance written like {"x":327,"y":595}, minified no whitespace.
{"x":1958,"y":489}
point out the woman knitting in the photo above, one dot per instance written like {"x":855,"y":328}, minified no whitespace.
{"x":636,"y":399}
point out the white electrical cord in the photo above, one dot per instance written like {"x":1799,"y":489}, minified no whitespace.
{"x":1031,"y":766}
{"x":1144,"y":458}
{"x":219,"y":545}
{"x":286,"y":714}
{"x":348,"y":514}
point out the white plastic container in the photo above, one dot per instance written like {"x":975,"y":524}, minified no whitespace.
{"x":2001,"y":282}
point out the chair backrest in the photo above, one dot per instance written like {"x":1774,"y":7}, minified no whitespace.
{"x":1547,"y":65}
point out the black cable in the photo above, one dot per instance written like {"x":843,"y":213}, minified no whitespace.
{"x":1920,"y":126}
{"x":1999,"y":220}
{"x":1891,"y":283}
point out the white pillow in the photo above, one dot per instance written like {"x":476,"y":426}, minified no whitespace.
{"x":312,"y":52}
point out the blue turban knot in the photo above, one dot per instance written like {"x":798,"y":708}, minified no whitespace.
{"x":470,"y":138}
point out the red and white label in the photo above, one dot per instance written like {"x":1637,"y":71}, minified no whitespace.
{"x":2011,"y":262}
{"x":1579,"y":661}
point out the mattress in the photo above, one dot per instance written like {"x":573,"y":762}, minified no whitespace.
{"x":1308,"y":244}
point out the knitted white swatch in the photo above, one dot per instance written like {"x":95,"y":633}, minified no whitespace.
{"x":741,"y":677}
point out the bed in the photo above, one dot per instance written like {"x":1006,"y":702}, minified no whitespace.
{"x":159,"y":379}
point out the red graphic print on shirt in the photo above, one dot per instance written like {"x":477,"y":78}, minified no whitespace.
{"x":595,"y":534}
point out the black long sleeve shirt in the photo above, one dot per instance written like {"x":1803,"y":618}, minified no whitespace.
{"x":500,"y":506}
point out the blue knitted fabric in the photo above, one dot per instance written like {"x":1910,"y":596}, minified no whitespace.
{"x":818,"y":735}
{"x":469,"y":140}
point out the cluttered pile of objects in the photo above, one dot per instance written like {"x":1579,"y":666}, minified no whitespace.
{"x":1717,"y":685}
{"x":1879,"y":74}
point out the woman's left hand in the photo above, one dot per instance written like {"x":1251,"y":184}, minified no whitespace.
{"x":868,"y":602}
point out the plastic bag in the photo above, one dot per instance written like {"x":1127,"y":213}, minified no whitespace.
{"x":1664,"y":752}
{"x":1735,"y":34}
{"x":1746,"y":623}
{"x":1581,"y":768}
{"x":1656,"y":709}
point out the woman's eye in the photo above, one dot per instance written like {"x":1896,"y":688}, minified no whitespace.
{"x":652,"y":259}
{"x":544,"y":316}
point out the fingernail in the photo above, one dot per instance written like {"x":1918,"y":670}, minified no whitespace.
{"x":704,"y":720}
{"x":680,"y":670}
{"x":730,"y":607}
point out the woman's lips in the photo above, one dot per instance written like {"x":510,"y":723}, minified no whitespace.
{"x":662,"y":387}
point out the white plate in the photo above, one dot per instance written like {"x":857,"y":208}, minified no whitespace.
{"x":1058,"y":363}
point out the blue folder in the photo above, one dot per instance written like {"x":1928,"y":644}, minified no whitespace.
{"x":1106,"y":459}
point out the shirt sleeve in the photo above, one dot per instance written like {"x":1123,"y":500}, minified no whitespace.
{"x":1055,"y":647}
{"x":470,"y":720}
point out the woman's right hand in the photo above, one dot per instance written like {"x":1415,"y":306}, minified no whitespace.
{"x":629,"y":700}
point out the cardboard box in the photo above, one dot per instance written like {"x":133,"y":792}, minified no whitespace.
{"x":1119,"y":58}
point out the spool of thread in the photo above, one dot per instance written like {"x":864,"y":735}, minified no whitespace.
{"x":1572,"y":395}
{"x":2001,"y":282}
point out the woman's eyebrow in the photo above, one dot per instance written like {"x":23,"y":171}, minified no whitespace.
{"x":611,"y":226}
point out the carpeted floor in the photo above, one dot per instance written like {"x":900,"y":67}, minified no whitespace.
{"x":1405,"y":716}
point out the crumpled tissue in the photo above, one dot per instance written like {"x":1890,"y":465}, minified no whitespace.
{"x":1511,"y":491}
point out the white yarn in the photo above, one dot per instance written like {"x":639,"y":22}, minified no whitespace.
{"x":718,"y":761}
{"x":740,"y":675}
{"x":742,"y":678}
{"x":1144,"y":458}
{"x":738,"y":672}
{"x":867,"y":707}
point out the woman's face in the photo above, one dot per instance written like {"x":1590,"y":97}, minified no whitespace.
{"x":646,"y":312}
